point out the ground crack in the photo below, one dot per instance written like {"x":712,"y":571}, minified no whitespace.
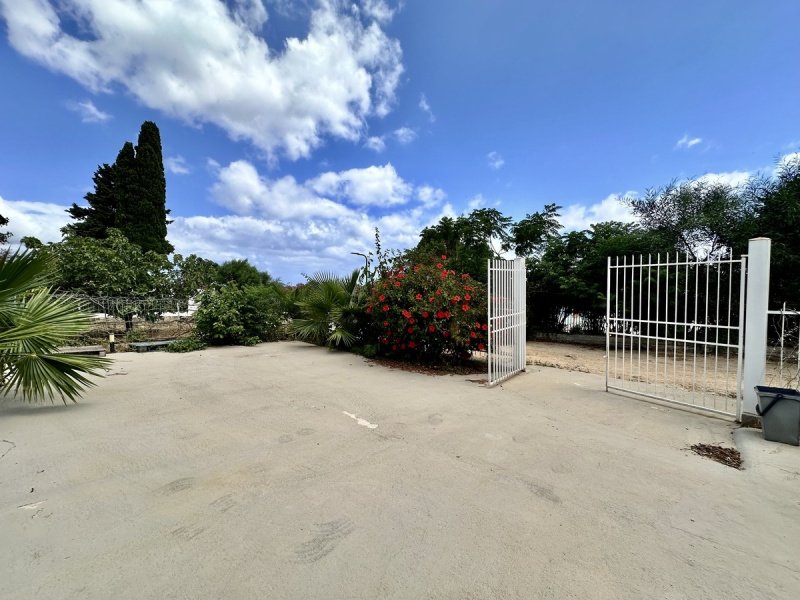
{"x":11,"y":446}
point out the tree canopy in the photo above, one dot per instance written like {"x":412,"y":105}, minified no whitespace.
{"x":129,"y":195}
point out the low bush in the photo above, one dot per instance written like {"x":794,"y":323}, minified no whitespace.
{"x":239,"y":316}
{"x":427,"y":312}
{"x":187,"y":344}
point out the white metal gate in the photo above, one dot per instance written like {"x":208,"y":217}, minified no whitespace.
{"x":674,"y":330}
{"x":506,"y":307}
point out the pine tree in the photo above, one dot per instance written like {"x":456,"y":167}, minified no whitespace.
{"x":93,"y":220}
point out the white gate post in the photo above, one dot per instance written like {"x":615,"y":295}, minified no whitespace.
{"x":755,"y":326}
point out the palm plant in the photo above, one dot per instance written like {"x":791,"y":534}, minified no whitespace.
{"x":329,"y":307}
{"x":33,"y":324}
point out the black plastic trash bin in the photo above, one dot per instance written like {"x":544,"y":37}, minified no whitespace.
{"x":779,"y":409}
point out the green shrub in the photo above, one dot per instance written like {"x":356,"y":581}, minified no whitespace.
{"x":239,"y":316}
{"x":427,"y":312}
{"x":188,"y":344}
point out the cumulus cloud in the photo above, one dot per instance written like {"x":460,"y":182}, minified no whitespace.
{"x":425,"y":107}
{"x":687,"y":142}
{"x":38,"y":219}
{"x":405,"y":135}
{"x":88,"y":112}
{"x":581,"y":216}
{"x":376,"y":186}
{"x":477,"y":201}
{"x":731,"y":178}
{"x":204,"y":61}
{"x":495,"y":161}
{"x":177,"y":165}
{"x":375,"y":143}
{"x":430,"y":196}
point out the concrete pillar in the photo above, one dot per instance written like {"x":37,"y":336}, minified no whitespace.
{"x":755,"y":325}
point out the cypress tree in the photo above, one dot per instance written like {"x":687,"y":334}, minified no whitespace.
{"x":129,"y":195}
{"x":94,"y":220}
{"x":151,"y":226}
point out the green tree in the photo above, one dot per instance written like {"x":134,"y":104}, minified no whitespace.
{"x":702,"y":219}
{"x":101,"y":213}
{"x":467,"y":241}
{"x":129,"y":195}
{"x":193,"y":275}
{"x":530,"y":235}
{"x":779,"y":219}
{"x":241,"y":272}
{"x":33,"y":324}
{"x":4,"y":235}
{"x":149,"y":228}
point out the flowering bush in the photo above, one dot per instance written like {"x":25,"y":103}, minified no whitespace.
{"x":427,"y":312}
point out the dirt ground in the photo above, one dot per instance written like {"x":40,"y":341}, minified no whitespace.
{"x":288,"y":471}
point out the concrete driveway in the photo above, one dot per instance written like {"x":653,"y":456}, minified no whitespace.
{"x":287,"y":471}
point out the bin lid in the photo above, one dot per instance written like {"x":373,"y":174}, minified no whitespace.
{"x":788,"y":393}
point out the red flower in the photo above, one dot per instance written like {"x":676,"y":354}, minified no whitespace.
{"x":418,"y":296}
{"x":467,"y":297}
{"x":381,"y":297}
{"x":416,"y":268}
{"x":439,"y":314}
{"x":412,"y":344}
{"x":396,"y":284}
{"x":410,"y":330}
{"x":386,"y":323}
{"x":444,"y":275}
{"x":412,"y":320}
{"x":425,"y":314}
{"x":447,"y":314}
{"x":406,"y":313}
{"x":431,"y":328}
{"x":444,"y":257}
{"x":473,"y":335}
{"x":484,"y":327}
{"x":439,"y":292}
{"x":369,"y":309}
{"x":481,"y":346}
{"x":457,"y":298}
{"x":446,"y":334}
{"x":439,"y":266}
{"x":385,"y":308}
{"x":430,"y":299}
{"x":465,"y":307}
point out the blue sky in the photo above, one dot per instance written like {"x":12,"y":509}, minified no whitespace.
{"x":292,"y":129}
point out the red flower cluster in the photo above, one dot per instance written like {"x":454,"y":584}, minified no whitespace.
{"x":427,"y":291}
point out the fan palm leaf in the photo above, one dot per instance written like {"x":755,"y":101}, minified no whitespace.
{"x":33,"y":324}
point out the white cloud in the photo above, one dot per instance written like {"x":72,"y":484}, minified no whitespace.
{"x":405,"y":135}
{"x":378,"y":10}
{"x":376,"y":186}
{"x":291,"y":227}
{"x":177,"y":165}
{"x":38,"y":219}
{"x":580,"y":216}
{"x":375,"y":143}
{"x":477,"y":201}
{"x":425,"y":107}
{"x":204,"y":61}
{"x":88,"y":112}
{"x":495,"y":161}
{"x":430,"y":196}
{"x":785,"y":160}
{"x":686,"y":142}
{"x":731,"y":178}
